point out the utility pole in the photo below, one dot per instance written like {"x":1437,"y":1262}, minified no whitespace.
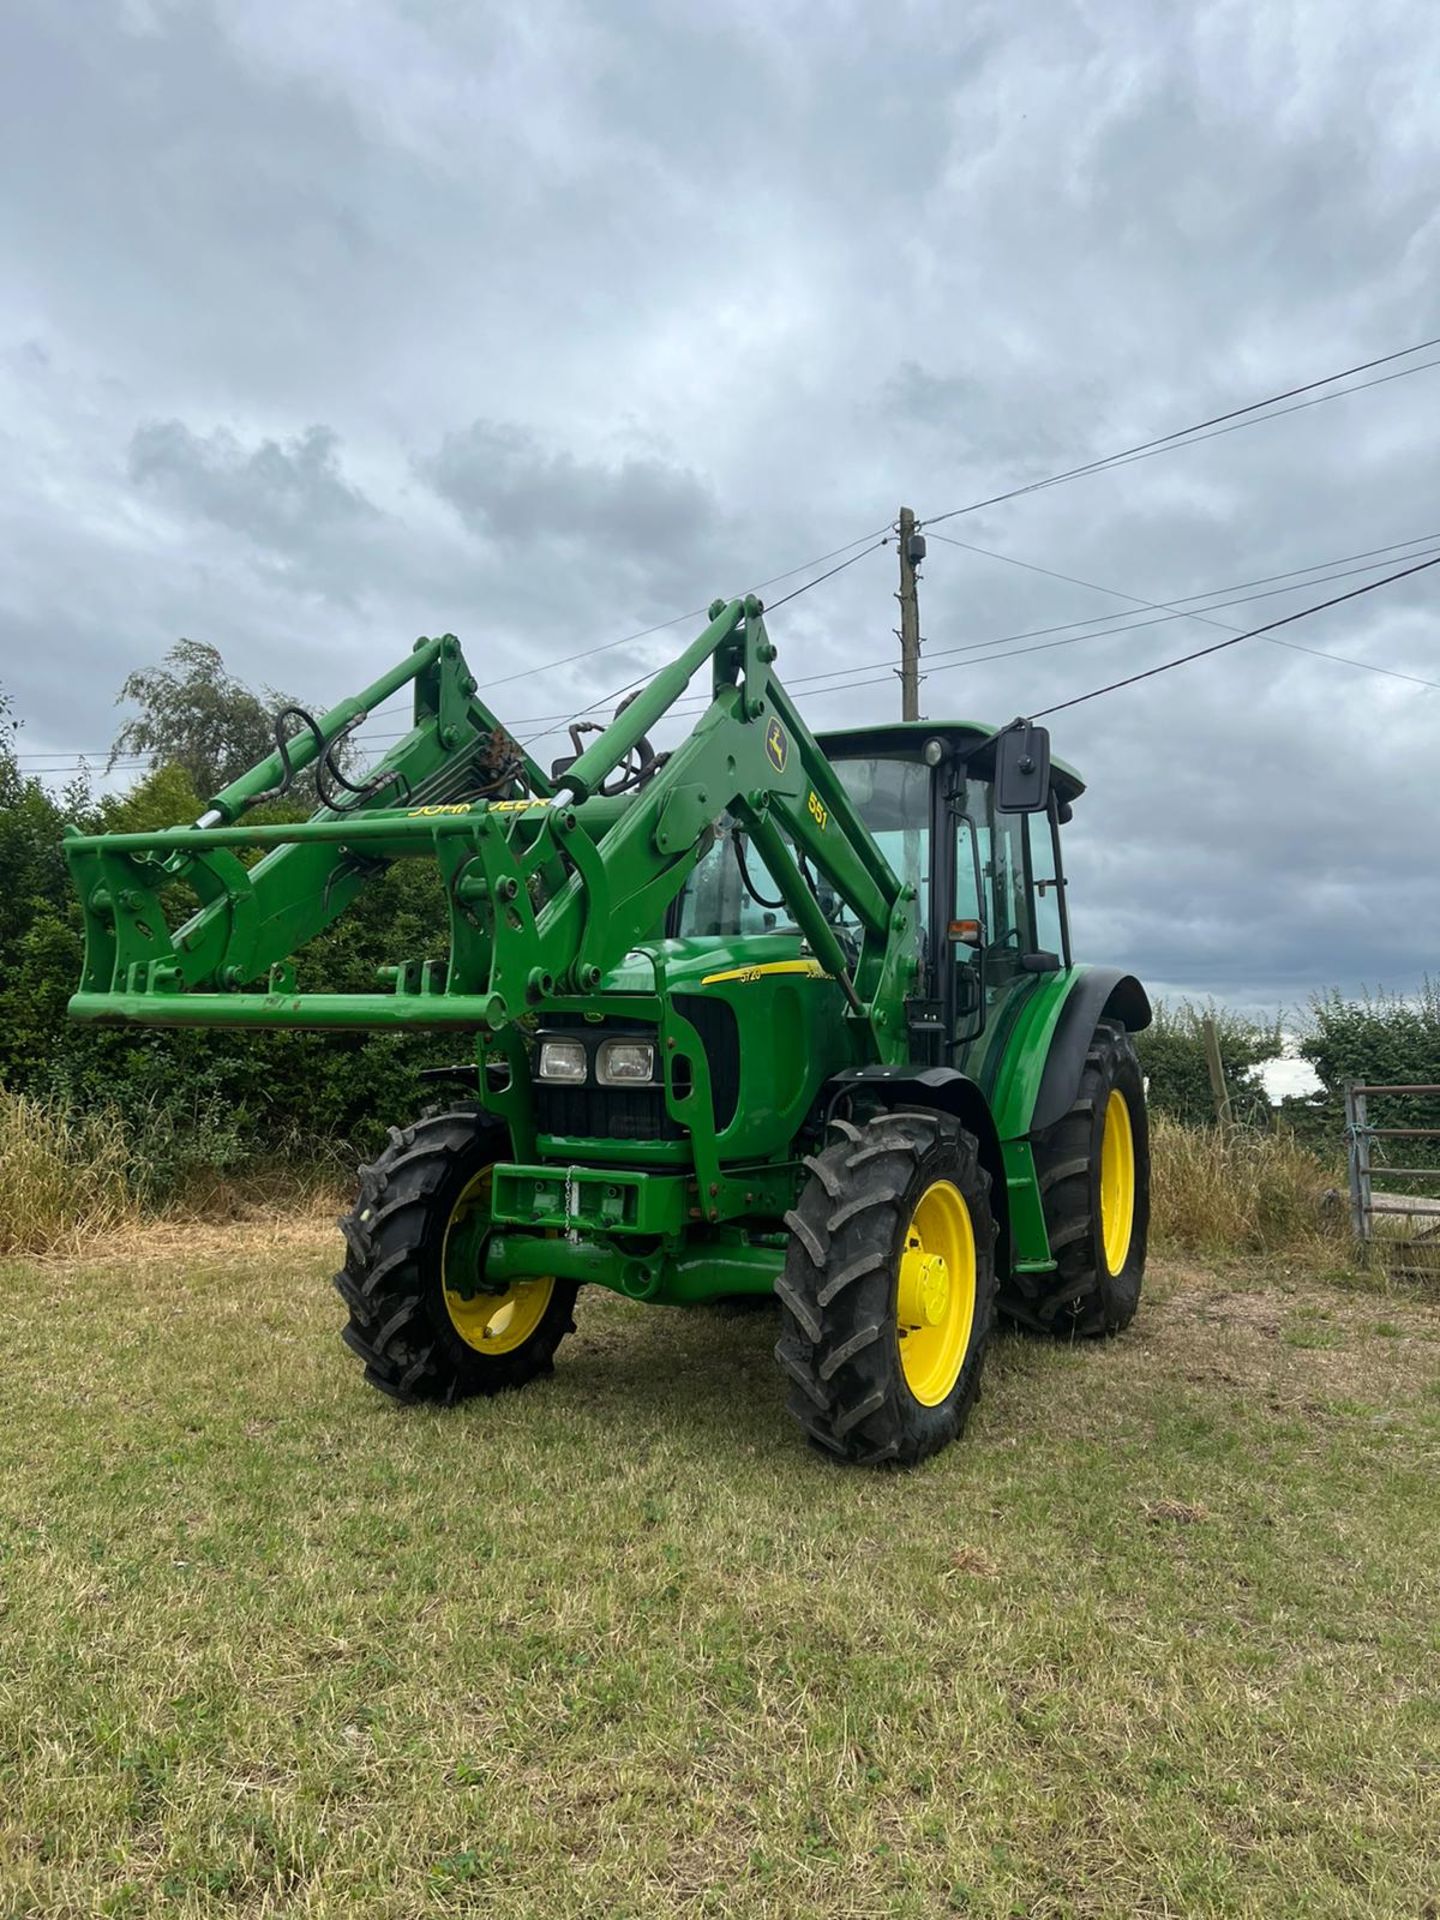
{"x":912,"y":549}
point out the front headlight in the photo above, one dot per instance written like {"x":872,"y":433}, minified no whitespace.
{"x":625,"y":1063}
{"x":562,"y":1060}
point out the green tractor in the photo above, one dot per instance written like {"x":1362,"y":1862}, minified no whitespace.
{"x":769,"y":1014}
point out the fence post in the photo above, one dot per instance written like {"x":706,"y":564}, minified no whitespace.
{"x":1357,"y":1153}
{"x":1221,"y":1093}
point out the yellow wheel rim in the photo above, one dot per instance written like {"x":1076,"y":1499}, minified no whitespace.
{"x":1117,"y":1182}
{"x":935,"y":1299}
{"x":491,"y":1323}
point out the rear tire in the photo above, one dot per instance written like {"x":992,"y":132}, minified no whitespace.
{"x":888,"y":1293}
{"x":1097,"y":1211}
{"x":413,"y":1246}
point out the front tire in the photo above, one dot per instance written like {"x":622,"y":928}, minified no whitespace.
{"x":415,"y":1243}
{"x":887,"y":1297}
{"x":1093,"y":1167}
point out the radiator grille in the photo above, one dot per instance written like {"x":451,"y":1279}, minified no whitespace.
{"x":593,"y":1112}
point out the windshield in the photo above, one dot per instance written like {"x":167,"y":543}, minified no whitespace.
{"x":892,"y":797}
{"x":717,"y":903}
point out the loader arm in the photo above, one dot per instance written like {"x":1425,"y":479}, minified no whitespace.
{"x":251,"y":919}
{"x":549,"y":884}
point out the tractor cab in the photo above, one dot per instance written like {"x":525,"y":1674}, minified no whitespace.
{"x":988,"y":878}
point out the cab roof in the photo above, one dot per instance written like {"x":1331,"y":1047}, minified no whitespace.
{"x":904,"y":738}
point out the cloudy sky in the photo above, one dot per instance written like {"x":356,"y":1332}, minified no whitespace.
{"x":324,"y":325}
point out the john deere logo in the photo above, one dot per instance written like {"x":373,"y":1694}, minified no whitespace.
{"x":777,"y":745}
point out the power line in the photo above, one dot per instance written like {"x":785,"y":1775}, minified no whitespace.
{"x":843,"y":678}
{"x":1205,"y":617}
{"x":1205,"y":593}
{"x":1344,"y":660}
{"x":619,"y":693}
{"x":1189,"y":436}
{"x":1169,"y":610}
{"x":1252,"y":633}
{"x":1113,"y":625}
{"x":1220,"y":646}
{"x":1104,"y":624}
{"x":58,"y":760}
{"x":1100,"y":626}
{"x":1145,"y":448}
{"x":695,"y":613}
{"x":1208,"y":429}
{"x":874,"y":546}
{"x":129,"y":762}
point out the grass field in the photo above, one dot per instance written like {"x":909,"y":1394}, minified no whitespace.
{"x":1160,"y":1638}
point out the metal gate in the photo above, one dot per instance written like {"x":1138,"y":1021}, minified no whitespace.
{"x":1401,"y":1228}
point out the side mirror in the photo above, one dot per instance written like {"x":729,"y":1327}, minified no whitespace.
{"x":1022,"y":768}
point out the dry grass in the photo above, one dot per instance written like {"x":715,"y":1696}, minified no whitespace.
{"x":73,"y":1180}
{"x":1246,"y":1192}
{"x":276,"y":1193}
{"x":65,"y":1178}
{"x":1157,"y":1639}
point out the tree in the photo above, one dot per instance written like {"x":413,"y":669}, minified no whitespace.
{"x":39,"y":917}
{"x":197,"y":717}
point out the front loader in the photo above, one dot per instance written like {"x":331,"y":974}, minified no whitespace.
{"x":769,"y":1014}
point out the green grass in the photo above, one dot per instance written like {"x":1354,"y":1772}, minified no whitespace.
{"x":1159,"y":1638}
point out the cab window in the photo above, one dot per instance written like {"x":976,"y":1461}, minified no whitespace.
{"x":1047,"y":880}
{"x":1002,"y":904}
{"x":717,"y":904}
{"x":892,"y":797}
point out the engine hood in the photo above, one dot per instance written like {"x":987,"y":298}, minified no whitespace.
{"x":687,"y":963}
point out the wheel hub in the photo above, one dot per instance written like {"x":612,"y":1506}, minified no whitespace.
{"x":1117,"y":1183}
{"x":935,"y":1293}
{"x":492,"y":1320}
{"x":924,"y":1286}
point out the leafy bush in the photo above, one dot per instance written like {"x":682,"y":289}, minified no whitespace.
{"x":203,"y":1104}
{"x":1384,"y":1039}
{"x":1381,"y":1039}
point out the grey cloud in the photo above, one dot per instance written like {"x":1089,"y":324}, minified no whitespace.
{"x":276,"y":494}
{"x":288,"y":502}
{"x":502,"y":482}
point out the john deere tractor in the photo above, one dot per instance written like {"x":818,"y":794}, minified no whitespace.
{"x":770,"y":1013}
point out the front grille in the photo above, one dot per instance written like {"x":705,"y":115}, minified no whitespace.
{"x":719,"y":1031}
{"x":604,"y":1113}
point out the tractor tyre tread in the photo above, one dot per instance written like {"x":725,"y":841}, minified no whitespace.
{"x":837,"y":1293}
{"x":391,"y":1279}
{"x":1081,"y":1299}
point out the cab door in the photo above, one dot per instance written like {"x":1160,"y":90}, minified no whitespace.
{"x":995,"y":940}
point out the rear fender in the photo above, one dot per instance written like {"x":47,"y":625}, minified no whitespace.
{"x":1099,"y":993}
